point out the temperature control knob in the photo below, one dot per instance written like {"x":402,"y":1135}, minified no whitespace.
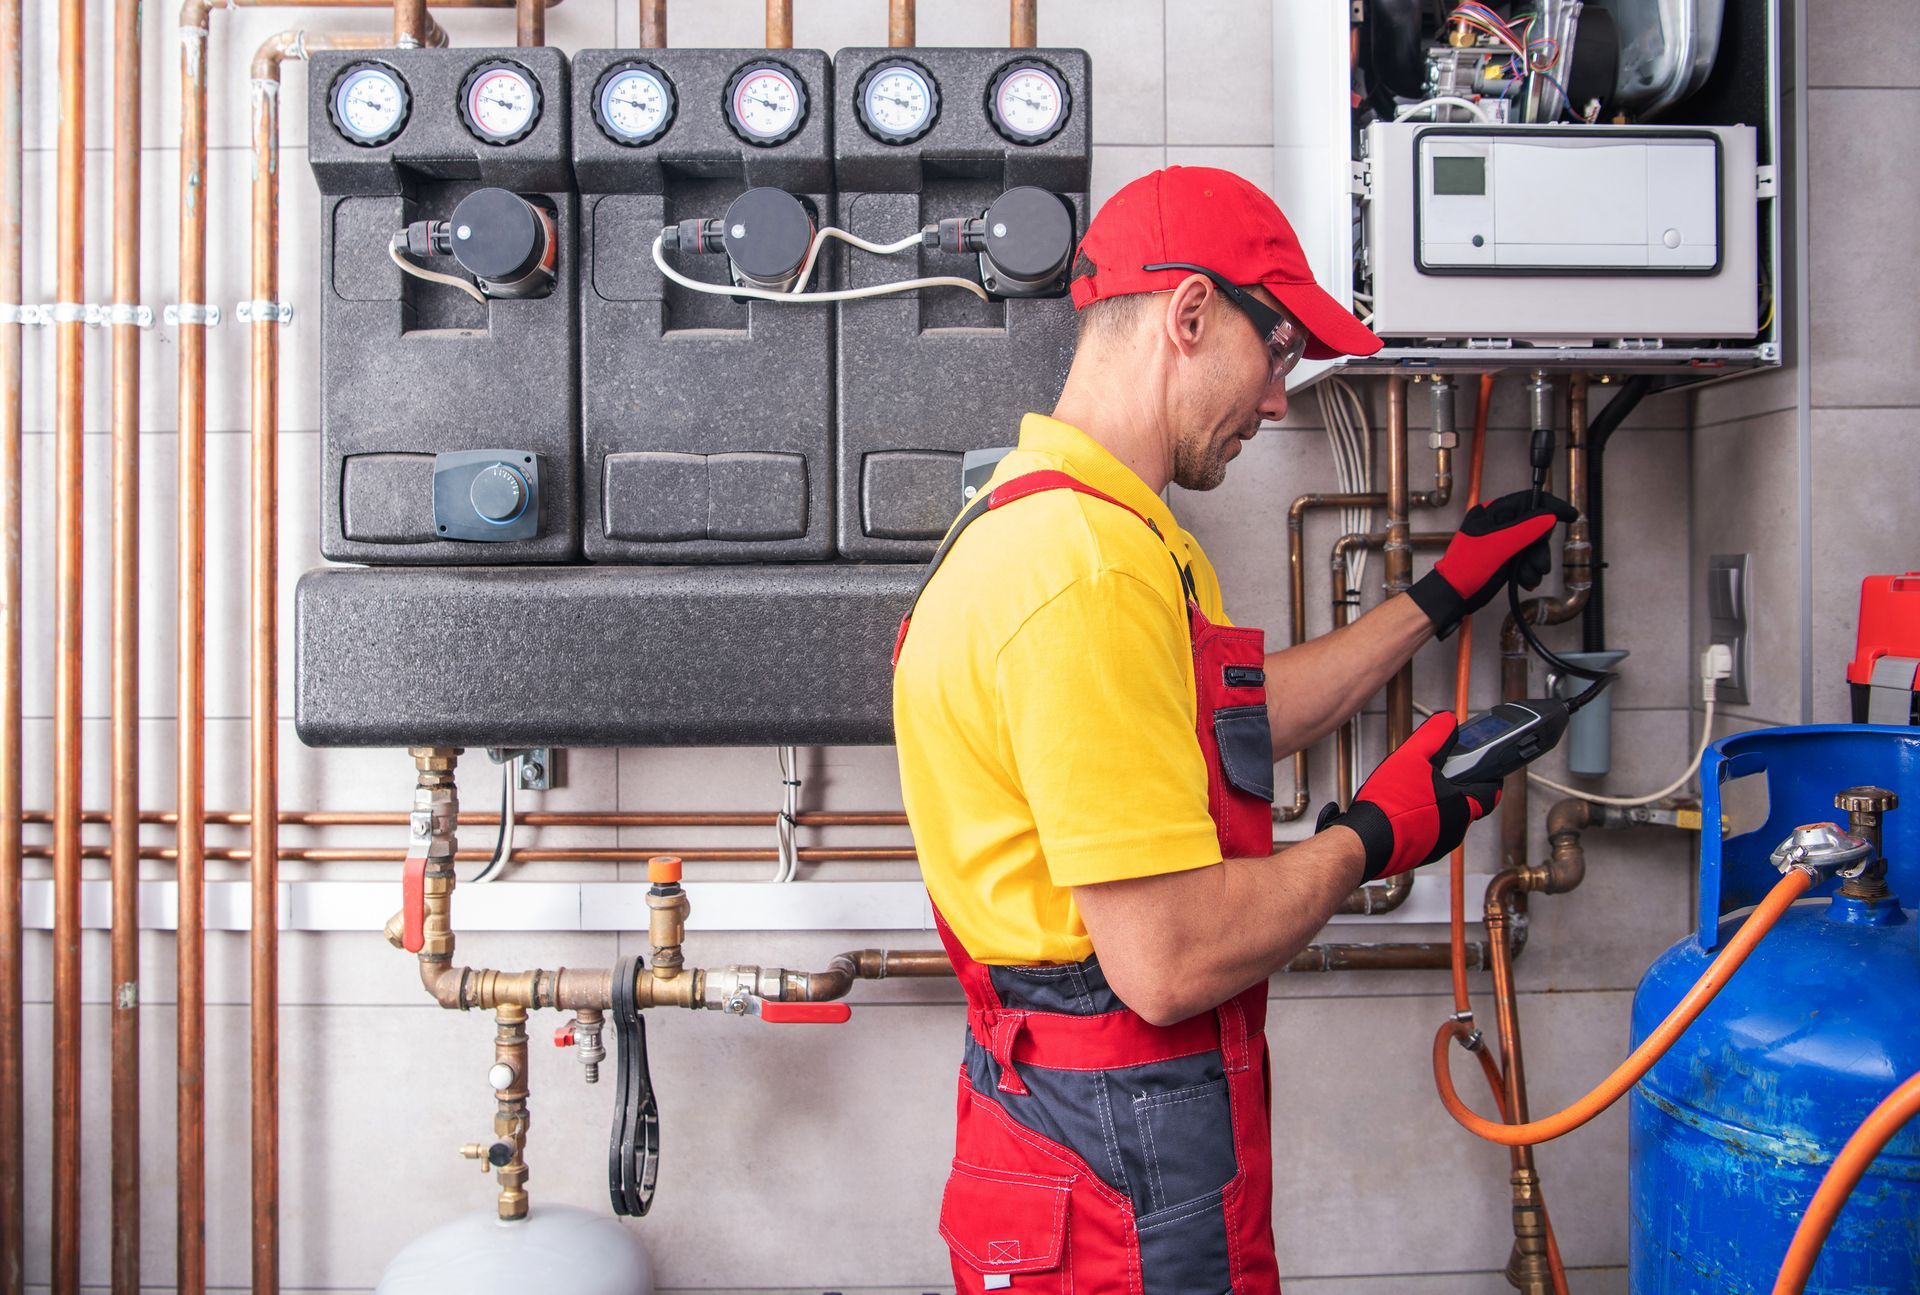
{"x":498,"y":493}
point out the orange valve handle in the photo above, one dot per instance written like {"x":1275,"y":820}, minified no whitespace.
{"x":805,"y":1013}
{"x":1842,"y":1177}
{"x":1711,"y":982}
{"x":413,"y":903}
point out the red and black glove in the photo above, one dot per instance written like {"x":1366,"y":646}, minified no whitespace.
{"x":1407,"y":813}
{"x":1497,"y":542}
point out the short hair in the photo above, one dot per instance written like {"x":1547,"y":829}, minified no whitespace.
{"x":1111,"y":318}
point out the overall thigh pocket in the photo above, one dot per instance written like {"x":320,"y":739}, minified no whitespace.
{"x":1186,"y":1140}
{"x":1007,"y":1230}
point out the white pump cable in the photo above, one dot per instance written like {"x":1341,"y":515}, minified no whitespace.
{"x":843,"y":294}
{"x":829,"y":231}
{"x":434,"y":276}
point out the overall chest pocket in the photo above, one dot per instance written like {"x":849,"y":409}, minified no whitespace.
{"x":1186,"y":1137}
{"x":1007,"y":1230}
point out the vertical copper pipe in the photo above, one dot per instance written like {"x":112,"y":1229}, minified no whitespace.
{"x":900,"y":23}
{"x":1398,"y":554}
{"x":125,"y":1215}
{"x":13,"y":1260}
{"x":263,"y":831}
{"x":69,"y":397}
{"x":409,"y":23}
{"x":190,"y":1170}
{"x":779,"y":24}
{"x":529,"y":22}
{"x":1023,"y":24}
{"x":653,"y":24}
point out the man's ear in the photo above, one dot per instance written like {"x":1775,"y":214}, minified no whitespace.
{"x":1187,"y":312}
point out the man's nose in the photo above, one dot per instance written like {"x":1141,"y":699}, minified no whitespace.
{"x":1273,"y":404}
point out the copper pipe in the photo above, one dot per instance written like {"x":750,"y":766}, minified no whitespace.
{"x":264,"y":708}
{"x":653,"y":24}
{"x":69,"y":398}
{"x":409,"y":23}
{"x":13,"y":1260}
{"x":124,"y":1260}
{"x":1023,"y":24}
{"x":1438,"y":497}
{"x":779,"y":24}
{"x":539,"y":818}
{"x":354,"y":854}
{"x":1390,"y":894}
{"x":900,"y":23}
{"x":1398,"y":556}
{"x":529,"y":23}
{"x":1344,"y":600}
{"x":1527,"y":1268}
{"x":190,"y":756}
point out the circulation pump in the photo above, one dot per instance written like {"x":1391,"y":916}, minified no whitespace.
{"x":508,"y":244}
{"x":766,"y":234}
{"x":1024,"y":241}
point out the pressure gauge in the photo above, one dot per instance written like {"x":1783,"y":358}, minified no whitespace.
{"x":369,"y":103}
{"x":898,"y":101}
{"x":766,"y":103}
{"x":500,"y":102}
{"x":1028,"y":102}
{"x":633,"y":104}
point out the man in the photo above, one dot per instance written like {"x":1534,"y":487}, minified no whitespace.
{"x":1086,"y":752}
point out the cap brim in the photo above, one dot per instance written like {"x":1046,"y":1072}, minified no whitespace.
{"x":1332,"y":328}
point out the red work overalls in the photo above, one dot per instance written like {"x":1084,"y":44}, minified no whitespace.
{"x":1097,"y":1152}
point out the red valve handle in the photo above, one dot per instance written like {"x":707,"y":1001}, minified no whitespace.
{"x":413,"y":903}
{"x":805,"y":1013}
{"x":563,"y":1036}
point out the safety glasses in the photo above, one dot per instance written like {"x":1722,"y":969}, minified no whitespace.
{"x":1285,"y":336}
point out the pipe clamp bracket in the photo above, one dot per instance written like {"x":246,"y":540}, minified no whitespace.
{"x":26,"y":316}
{"x":264,"y":312}
{"x":117,"y":316}
{"x":77,"y":312}
{"x":192,"y":313}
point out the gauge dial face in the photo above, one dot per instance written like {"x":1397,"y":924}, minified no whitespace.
{"x":1028,"y":103}
{"x":369,"y":104}
{"x":766,"y":104}
{"x":634,"y":104}
{"x":898,"y":102}
{"x":501,"y":102}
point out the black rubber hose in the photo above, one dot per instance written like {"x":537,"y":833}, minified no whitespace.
{"x":1593,"y":620}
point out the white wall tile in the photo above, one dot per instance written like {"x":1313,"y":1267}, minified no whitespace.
{"x":1220,"y":55}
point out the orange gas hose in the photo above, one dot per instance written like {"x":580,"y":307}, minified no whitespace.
{"x":1711,"y":982}
{"x":1457,"y":864}
{"x":1842,"y":1177}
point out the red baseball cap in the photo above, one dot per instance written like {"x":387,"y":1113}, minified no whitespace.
{"x":1206,"y":216}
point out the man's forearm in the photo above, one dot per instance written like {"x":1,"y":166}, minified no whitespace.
{"x":1180,"y":943}
{"x":1311,"y":688}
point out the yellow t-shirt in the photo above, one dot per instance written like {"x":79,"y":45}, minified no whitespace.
{"x":1043,"y":706}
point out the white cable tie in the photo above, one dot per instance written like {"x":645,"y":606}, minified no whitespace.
{"x":117,"y":316}
{"x":264,"y":312}
{"x":75,"y":312}
{"x":192,"y":313}
{"x":25,"y":316}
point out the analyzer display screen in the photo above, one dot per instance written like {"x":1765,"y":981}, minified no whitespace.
{"x":1484,"y":730}
{"x":1460,"y":175}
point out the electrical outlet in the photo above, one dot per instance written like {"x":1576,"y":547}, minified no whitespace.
{"x":1729,"y":616}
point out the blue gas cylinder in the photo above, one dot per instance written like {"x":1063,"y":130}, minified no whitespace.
{"x":1732,"y":1131}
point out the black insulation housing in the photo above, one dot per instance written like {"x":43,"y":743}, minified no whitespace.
{"x":411,"y":369}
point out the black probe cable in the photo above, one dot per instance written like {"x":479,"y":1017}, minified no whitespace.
{"x":1600,"y":678}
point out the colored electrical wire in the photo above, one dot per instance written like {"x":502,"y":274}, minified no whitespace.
{"x":843,"y":294}
{"x":1763,"y":918}
{"x":1886,"y":1119}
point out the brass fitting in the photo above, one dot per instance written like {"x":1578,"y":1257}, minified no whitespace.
{"x":508,"y":1078}
{"x":1527,"y":1267}
{"x":1865,"y":806}
{"x":667,"y":909}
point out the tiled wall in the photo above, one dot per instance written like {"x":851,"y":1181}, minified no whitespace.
{"x":808,"y":1160}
